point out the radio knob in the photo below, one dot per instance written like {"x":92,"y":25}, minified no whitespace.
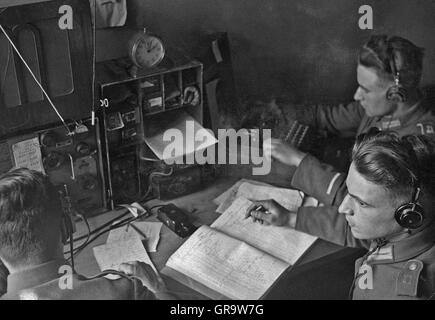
{"x":83,"y":148}
{"x":88,"y":183}
{"x":53,"y":160}
{"x":48,"y":139}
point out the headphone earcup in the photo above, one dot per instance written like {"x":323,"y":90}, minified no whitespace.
{"x":410,"y":216}
{"x":397,"y":93}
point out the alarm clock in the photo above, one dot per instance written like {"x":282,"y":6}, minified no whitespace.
{"x":145,"y":50}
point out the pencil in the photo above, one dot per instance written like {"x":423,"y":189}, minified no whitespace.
{"x":139,"y":231}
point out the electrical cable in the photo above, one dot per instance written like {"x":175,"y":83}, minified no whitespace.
{"x":84,"y":245}
{"x":157,"y":206}
{"x":150,"y":180}
{"x":115,"y":226}
{"x":106,"y":273}
{"x":110,"y":222}
{"x":88,"y":227}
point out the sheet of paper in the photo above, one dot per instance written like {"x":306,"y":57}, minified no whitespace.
{"x":288,"y":198}
{"x":185,"y":128}
{"x":228,"y":197}
{"x":226,"y":265}
{"x":150,"y":229}
{"x":111,"y":255}
{"x":27,"y":154}
{"x":255,"y":190}
{"x":284,"y":243}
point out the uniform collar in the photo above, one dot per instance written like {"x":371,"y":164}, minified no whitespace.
{"x":411,"y":115}
{"x":404,"y":249}
{"x":35,"y":276}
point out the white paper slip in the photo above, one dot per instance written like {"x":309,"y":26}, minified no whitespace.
{"x":192,"y":137}
{"x":112,"y":255}
{"x":27,"y":154}
{"x":150,"y":229}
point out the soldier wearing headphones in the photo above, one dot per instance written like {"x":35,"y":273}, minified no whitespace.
{"x":388,"y":98}
{"x":32,"y":226}
{"x":388,"y":209}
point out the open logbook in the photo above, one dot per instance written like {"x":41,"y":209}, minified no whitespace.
{"x":236,"y":258}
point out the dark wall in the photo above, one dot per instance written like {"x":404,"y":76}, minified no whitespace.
{"x":306,"y":48}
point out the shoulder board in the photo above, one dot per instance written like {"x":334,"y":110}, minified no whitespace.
{"x":407,"y":280}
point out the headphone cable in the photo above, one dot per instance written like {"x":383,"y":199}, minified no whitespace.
{"x":379,"y":245}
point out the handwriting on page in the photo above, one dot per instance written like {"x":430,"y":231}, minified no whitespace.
{"x":228,"y":197}
{"x":226,"y":265}
{"x":150,"y":229}
{"x":288,"y":198}
{"x":283,"y":243}
{"x":111,"y":255}
{"x":27,"y":154}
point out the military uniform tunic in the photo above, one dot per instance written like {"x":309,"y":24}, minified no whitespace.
{"x":398,"y":270}
{"x":348,"y":120}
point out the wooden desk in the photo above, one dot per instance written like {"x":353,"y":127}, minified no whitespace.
{"x":325,"y":265}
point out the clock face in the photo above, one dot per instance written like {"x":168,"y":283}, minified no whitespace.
{"x":149,"y":51}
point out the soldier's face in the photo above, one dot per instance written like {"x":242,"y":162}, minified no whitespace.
{"x":368,"y":208}
{"x":372,"y":93}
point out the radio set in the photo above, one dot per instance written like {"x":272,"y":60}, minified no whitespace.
{"x":72,"y":162}
{"x":98,"y":162}
{"x":140,"y":105}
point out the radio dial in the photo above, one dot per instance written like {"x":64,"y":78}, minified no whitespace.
{"x":83,"y":149}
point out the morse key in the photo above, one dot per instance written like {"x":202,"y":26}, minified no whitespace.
{"x":176,"y":220}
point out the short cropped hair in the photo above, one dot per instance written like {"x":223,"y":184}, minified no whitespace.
{"x":30,"y":215}
{"x":377,"y":54}
{"x":400,"y":165}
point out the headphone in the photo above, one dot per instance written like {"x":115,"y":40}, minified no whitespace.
{"x":396,"y":92}
{"x":410,"y":215}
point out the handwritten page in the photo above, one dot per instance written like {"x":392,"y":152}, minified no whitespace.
{"x":27,"y":154}
{"x":284,"y":243}
{"x":150,"y":229}
{"x":228,"y":197}
{"x":226,"y":265}
{"x":288,"y":198}
{"x":112,"y":255}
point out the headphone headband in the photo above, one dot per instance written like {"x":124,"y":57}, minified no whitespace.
{"x":397,"y":91}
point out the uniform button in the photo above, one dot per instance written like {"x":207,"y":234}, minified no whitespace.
{"x":413,"y":266}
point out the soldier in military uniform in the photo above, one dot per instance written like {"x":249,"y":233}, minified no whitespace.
{"x":31,"y":248}
{"x":388,"y":209}
{"x":388,"y":98}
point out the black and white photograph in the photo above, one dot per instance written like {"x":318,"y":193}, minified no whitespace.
{"x":217,"y":154}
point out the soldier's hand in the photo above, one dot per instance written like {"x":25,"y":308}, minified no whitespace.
{"x":283,"y":152}
{"x":145,"y":273}
{"x":269,"y":212}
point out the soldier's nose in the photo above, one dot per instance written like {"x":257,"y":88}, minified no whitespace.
{"x":345,"y":206}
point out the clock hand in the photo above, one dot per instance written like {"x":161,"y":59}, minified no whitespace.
{"x":155,"y":46}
